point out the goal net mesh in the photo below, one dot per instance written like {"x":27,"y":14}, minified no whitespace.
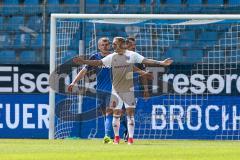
{"x":198,"y":94}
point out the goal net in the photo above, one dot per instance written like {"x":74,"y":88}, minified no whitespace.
{"x":195,"y":98}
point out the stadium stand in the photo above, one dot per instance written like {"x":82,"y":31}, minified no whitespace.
{"x":27,"y":57}
{"x":7,"y":57}
{"x":21,"y":21}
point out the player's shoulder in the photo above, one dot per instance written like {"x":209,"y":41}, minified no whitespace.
{"x":112,"y":54}
{"x":130,"y":53}
{"x":95,"y":56}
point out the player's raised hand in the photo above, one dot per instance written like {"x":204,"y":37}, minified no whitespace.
{"x":70,"y":87}
{"x":78,"y":60}
{"x":167,"y":62}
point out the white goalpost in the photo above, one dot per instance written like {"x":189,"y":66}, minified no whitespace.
{"x":198,"y":95}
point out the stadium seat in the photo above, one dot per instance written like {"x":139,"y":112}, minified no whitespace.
{"x":27,"y":57}
{"x":172,"y":6}
{"x":31,"y":2}
{"x":53,"y":2}
{"x":71,"y":6}
{"x":233,"y":2}
{"x":53,"y":6}
{"x":13,"y":23}
{"x":31,"y":7}
{"x":10,"y":2}
{"x":37,"y":42}
{"x":176,"y":54}
{"x":131,"y":2}
{"x":2,"y":25}
{"x":194,"y":56}
{"x":93,"y":2}
{"x":92,"y":6}
{"x":187,"y":39}
{"x":194,"y":5}
{"x":22,"y":40}
{"x":35,"y":23}
{"x":7,"y":57}
{"x":213,"y":6}
{"x":72,"y":1}
{"x":208,"y":38}
{"x":68,"y":55}
{"x":10,"y":7}
{"x":6,"y":40}
{"x":215,"y":2}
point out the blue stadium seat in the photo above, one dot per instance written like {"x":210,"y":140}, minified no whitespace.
{"x":5,"y":40}
{"x":208,"y":38}
{"x":35,"y":23}
{"x":37,"y":42}
{"x":93,"y":1}
{"x":215,"y":2}
{"x":213,"y":6}
{"x":10,"y":2}
{"x":31,"y":2}
{"x":2,"y":25}
{"x":132,"y":2}
{"x":7,"y":57}
{"x":27,"y":57}
{"x":55,"y":7}
{"x":173,"y":2}
{"x":172,"y":6}
{"x":176,"y":54}
{"x":56,"y":2}
{"x":194,"y":5}
{"x":31,"y":7}
{"x":69,"y":54}
{"x":10,"y":7}
{"x":194,"y":56}
{"x":187,"y":38}
{"x":22,"y":41}
{"x":92,"y":6}
{"x":72,"y":1}
{"x":13,"y":23}
{"x":233,"y":2}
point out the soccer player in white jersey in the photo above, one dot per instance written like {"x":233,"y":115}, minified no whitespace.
{"x":104,"y":85}
{"x":122,"y":62}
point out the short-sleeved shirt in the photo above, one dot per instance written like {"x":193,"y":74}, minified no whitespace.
{"x":122,"y":69}
{"x":104,"y":82}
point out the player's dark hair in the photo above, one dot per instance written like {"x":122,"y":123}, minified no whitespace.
{"x":130,"y":39}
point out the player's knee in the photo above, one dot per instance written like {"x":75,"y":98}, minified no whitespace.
{"x":117,"y":112}
{"x":116,"y":121}
{"x":131,"y":120}
{"x":130,"y":111}
{"x":109,"y":111}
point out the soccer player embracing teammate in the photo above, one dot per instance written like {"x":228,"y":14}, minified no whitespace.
{"x":122,"y":63}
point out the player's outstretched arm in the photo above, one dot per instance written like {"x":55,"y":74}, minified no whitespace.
{"x":79,"y":60}
{"x":79,"y":76}
{"x":145,"y":76}
{"x":142,"y":73}
{"x":165,"y":62}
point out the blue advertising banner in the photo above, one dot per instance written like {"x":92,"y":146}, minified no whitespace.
{"x":183,"y":106}
{"x":24,"y":115}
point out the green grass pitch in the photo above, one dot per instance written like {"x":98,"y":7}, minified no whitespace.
{"x":26,"y":149}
